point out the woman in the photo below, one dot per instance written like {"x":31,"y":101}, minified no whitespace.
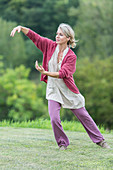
{"x":57,"y":71}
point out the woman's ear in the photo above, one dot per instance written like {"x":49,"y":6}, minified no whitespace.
{"x":68,"y":39}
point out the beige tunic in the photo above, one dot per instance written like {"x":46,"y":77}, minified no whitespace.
{"x":56,"y":88}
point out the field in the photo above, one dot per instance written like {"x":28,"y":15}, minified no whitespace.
{"x":32,"y":148}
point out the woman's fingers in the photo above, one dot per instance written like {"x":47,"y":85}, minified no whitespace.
{"x":36,"y":62}
{"x":18,"y":28}
{"x":12,"y":33}
{"x":39,"y":68}
{"x":36,"y":65}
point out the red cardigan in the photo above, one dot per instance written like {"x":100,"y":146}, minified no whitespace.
{"x":68,"y":65}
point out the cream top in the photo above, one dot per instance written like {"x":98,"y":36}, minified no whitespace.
{"x":56,"y":88}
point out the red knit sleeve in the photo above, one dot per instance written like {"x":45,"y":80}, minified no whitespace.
{"x":41,"y":42}
{"x":68,"y":68}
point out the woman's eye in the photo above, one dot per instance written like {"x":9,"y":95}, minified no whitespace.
{"x":61,"y":34}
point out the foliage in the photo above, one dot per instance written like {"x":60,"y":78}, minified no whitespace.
{"x":94,"y":79}
{"x":41,"y":16}
{"x":18,"y":96}
{"x":12,"y":49}
{"x":88,"y":18}
{"x":33,"y":54}
{"x":1,"y":65}
{"x":94,"y":28}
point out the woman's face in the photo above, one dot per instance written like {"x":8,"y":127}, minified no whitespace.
{"x":61,"y":38}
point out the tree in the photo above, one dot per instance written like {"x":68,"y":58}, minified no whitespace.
{"x":10,"y":10}
{"x":1,"y":65}
{"x":95,"y":28}
{"x":12,"y":49}
{"x":94,"y":79}
{"x":41,"y":16}
{"x":19,"y":99}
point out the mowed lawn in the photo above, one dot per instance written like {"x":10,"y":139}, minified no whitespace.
{"x":31,"y":148}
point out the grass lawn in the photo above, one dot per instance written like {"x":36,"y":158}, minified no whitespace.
{"x":31,"y":148}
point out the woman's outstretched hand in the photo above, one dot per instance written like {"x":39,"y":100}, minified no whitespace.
{"x":18,"y":29}
{"x":39,"y":68}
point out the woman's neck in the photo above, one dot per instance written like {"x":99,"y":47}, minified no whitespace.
{"x":62,"y":47}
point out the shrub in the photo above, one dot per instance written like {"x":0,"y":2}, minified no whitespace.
{"x":19,"y":99}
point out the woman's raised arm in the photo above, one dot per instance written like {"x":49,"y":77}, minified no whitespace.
{"x":18,"y":29}
{"x":42,"y":43}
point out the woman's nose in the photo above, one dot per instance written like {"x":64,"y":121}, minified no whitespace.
{"x":57,"y":35}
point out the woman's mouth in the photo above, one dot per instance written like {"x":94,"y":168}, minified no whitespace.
{"x":57,"y":40}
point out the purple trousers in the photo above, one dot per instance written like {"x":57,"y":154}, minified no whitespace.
{"x":83,"y":116}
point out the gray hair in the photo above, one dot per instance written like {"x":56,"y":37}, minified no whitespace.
{"x":68,"y":32}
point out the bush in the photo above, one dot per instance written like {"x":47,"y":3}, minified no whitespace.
{"x":19,"y":98}
{"x":94,"y":79}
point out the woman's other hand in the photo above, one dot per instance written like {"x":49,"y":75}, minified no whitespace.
{"x":39,"y":68}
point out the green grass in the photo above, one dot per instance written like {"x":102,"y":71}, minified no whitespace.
{"x":36,"y":149}
{"x":46,"y":124}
